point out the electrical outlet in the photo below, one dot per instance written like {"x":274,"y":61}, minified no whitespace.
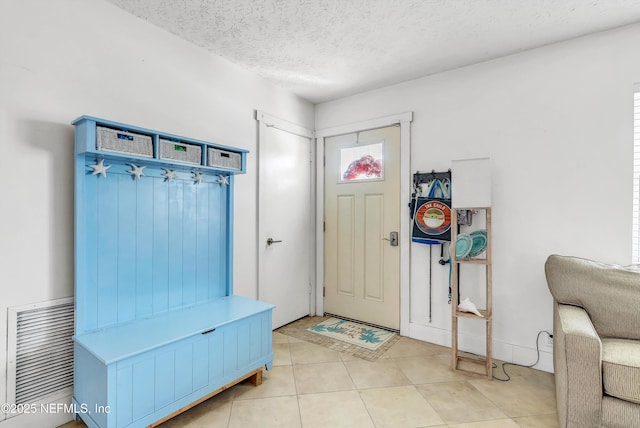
{"x":547,"y":342}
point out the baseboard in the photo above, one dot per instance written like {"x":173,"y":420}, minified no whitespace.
{"x":470,"y":343}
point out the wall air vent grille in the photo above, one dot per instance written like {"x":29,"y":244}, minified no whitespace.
{"x":40,"y":351}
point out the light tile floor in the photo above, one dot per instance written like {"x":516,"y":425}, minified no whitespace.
{"x":410,"y":385}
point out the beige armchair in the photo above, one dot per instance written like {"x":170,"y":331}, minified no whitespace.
{"x":596,"y":344}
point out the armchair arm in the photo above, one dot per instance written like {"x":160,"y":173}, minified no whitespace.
{"x":577,"y":358}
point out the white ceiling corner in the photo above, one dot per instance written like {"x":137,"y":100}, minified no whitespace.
{"x":327,"y":49}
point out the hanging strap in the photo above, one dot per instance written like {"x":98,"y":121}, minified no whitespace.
{"x":435,"y":189}
{"x":445,"y":185}
{"x":415,"y":209}
{"x":440,"y":188}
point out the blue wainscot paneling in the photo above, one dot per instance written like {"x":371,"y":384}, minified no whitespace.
{"x":157,"y":325}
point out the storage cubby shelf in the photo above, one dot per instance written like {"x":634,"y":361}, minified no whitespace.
{"x":90,"y":127}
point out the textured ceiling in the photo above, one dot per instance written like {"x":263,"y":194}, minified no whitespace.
{"x":327,"y":49}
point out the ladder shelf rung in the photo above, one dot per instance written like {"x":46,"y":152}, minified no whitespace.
{"x":473,"y":261}
{"x":486,"y":316}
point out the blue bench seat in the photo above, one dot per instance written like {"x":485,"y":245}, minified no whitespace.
{"x":136,"y":373}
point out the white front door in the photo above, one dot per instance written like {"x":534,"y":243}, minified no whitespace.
{"x":285,"y":223}
{"x":362,"y":212}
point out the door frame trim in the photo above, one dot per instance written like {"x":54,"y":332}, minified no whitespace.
{"x":265,"y":121}
{"x":404,"y":120}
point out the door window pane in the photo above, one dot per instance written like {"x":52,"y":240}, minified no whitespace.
{"x":362,"y":163}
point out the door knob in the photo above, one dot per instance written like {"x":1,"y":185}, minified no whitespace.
{"x":393,"y":239}
{"x":271,"y":241}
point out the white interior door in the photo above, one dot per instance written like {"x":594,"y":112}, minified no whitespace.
{"x":285,"y":223}
{"x":362,"y":211}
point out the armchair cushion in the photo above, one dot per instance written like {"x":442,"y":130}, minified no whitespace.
{"x":621,"y":369}
{"x":609,"y":293}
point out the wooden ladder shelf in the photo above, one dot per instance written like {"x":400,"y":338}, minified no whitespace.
{"x":458,"y":356}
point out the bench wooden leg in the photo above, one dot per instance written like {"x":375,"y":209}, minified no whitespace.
{"x":256,"y":378}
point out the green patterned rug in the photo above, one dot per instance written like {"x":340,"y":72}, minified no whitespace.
{"x":351,"y":332}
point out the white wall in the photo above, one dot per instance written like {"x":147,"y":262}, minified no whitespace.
{"x":557,"y":123}
{"x":63,"y":59}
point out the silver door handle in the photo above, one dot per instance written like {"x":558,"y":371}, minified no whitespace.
{"x":272,"y":241}
{"x":393,"y":239}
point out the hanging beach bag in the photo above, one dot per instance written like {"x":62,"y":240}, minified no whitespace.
{"x":432,"y":214}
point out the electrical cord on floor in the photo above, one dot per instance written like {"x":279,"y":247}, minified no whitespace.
{"x":494,"y":365}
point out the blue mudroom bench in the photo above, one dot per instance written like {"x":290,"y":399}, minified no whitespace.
{"x":158,"y":328}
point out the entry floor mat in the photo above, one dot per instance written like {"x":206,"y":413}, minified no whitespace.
{"x":359,"y":340}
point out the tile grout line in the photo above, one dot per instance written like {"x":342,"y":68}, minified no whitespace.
{"x":295,"y":384}
{"x":366,"y":408}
